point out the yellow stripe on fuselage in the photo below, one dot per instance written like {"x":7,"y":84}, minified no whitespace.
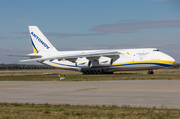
{"x":148,"y":61}
{"x":57,"y":65}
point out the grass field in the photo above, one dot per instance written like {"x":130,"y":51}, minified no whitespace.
{"x":38,"y":75}
{"x":90,"y":77}
{"x":61,"y":111}
{"x":59,"y":71}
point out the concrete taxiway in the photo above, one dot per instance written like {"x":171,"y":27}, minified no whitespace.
{"x":145,"y":93}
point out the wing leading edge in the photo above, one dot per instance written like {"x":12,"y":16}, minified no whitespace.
{"x":72,"y":56}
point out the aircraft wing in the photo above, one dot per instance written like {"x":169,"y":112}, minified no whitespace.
{"x":69,"y":56}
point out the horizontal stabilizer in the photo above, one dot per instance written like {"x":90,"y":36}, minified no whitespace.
{"x":18,"y":55}
{"x":29,"y":55}
{"x":16,"y":61}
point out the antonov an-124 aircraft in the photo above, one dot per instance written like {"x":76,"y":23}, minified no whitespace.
{"x":95,"y":61}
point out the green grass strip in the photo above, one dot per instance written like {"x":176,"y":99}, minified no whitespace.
{"x":56,"y":111}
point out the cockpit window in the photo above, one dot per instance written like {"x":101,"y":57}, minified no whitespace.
{"x":156,"y":50}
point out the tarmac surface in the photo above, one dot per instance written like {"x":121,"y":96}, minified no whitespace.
{"x":144,"y":93}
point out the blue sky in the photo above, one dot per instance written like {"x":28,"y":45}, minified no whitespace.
{"x":90,"y":24}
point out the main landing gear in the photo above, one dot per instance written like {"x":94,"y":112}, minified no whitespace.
{"x":150,"y":72}
{"x":97,"y":71}
{"x":92,"y":72}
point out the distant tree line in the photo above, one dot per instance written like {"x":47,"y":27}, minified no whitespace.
{"x":175,"y":66}
{"x":23,"y":66}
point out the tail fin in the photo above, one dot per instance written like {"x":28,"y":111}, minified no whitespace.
{"x":39,"y":42}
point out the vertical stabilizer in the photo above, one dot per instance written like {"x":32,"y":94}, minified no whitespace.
{"x":39,"y":42}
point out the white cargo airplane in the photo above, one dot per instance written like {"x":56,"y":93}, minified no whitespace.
{"x":95,"y":61}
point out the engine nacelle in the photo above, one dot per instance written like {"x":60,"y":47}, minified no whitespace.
{"x":83,"y":63}
{"x":105,"y":61}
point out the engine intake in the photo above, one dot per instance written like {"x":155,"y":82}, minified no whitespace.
{"x":105,"y":61}
{"x":83,"y":63}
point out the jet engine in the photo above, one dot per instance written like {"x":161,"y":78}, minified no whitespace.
{"x":105,"y":61}
{"x":83,"y":63}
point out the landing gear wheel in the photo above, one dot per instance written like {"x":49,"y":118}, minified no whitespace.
{"x":150,"y":72}
{"x":84,"y":72}
{"x":90,"y":72}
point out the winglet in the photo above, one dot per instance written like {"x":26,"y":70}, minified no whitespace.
{"x":16,"y":61}
{"x":9,"y":55}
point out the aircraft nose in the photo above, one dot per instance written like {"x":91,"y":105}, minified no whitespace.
{"x":170,"y":59}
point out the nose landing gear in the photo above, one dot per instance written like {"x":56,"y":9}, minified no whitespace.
{"x":150,"y":72}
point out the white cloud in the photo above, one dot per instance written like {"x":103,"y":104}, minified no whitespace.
{"x":157,"y":0}
{"x":127,"y":26}
{"x":131,"y":26}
